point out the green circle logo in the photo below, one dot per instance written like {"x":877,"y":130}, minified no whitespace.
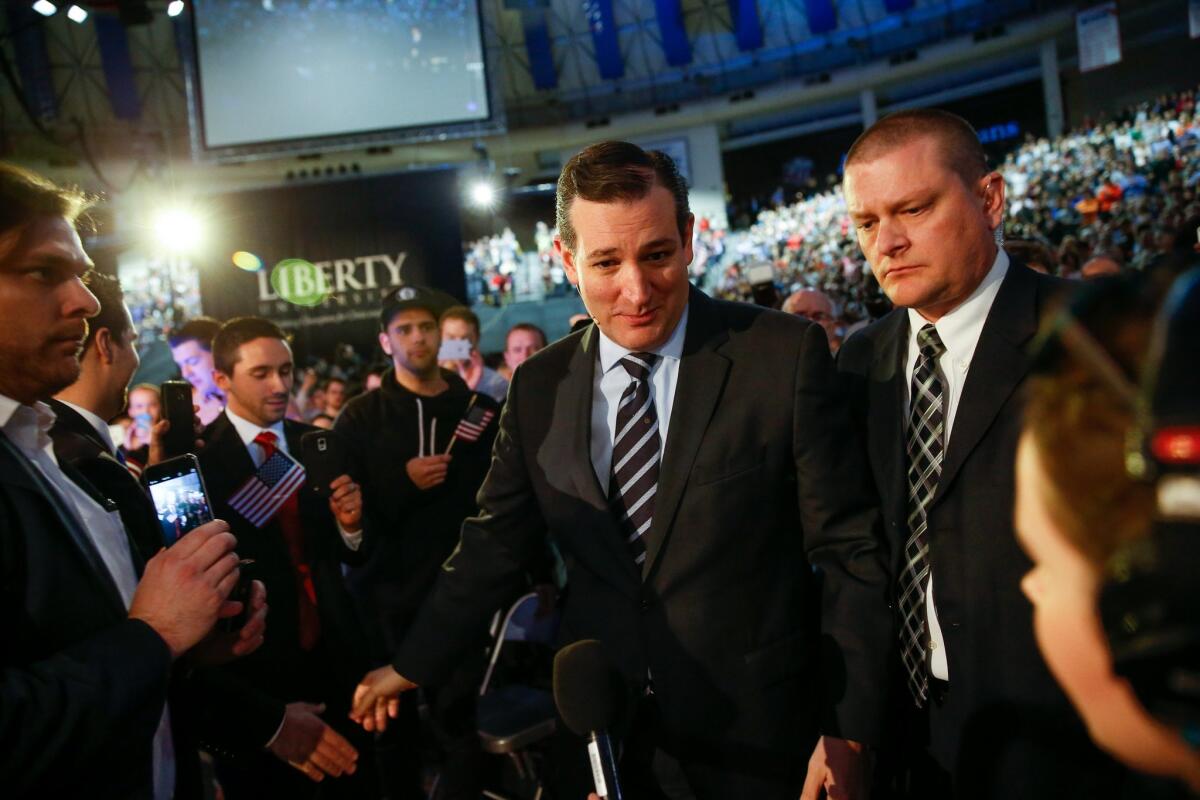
{"x":299,"y":282}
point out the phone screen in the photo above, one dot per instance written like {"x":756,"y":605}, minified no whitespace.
{"x":181,"y":504}
{"x":454,"y":350}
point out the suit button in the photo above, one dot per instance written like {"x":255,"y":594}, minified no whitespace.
{"x":645,"y":604}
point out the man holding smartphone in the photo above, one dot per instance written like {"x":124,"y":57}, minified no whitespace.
{"x":90,"y":633}
{"x":420,"y":470}
{"x":297,"y":686}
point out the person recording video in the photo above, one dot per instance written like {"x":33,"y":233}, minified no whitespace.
{"x":1084,"y":520}
{"x":92,"y":630}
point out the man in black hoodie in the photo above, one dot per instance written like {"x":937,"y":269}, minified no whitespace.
{"x":420,"y":447}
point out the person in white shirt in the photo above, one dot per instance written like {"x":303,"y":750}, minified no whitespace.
{"x":937,"y":383}
{"x":90,"y":643}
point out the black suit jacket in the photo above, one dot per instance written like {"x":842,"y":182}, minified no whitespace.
{"x":1005,"y":729}
{"x":760,"y":608}
{"x":281,"y":672}
{"x":82,"y":686}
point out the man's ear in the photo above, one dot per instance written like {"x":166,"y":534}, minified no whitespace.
{"x":568,"y":259}
{"x":223,"y":381}
{"x":102,"y":340}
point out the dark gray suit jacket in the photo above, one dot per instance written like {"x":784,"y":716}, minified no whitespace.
{"x":1005,"y":728}
{"x":760,"y":608}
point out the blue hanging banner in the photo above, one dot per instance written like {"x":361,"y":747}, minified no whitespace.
{"x":118,"y":67}
{"x":675,"y":44}
{"x":822,"y":18}
{"x":746,"y":27}
{"x":603,"y":25}
{"x":33,"y":64}
{"x":537,"y":47}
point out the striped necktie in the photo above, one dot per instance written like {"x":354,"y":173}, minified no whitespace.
{"x":926,"y":446}
{"x":635,"y":454}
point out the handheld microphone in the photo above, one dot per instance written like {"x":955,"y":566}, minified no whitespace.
{"x":589,"y":693}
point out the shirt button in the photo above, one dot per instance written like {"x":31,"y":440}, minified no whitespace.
{"x":932,"y":644}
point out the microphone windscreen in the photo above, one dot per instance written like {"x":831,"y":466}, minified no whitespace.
{"x":587,"y":690}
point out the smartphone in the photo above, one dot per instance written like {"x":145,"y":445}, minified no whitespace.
{"x":180,"y":499}
{"x":177,"y":409}
{"x":324,"y":454}
{"x":454,"y":350}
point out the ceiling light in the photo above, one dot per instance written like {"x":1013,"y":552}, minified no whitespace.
{"x":175,"y":8}
{"x":45,"y":8}
{"x":77,"y":14}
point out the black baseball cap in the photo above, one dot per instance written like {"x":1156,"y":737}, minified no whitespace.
{"x":403,"y":298}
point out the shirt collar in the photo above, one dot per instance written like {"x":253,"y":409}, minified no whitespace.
{"x":100,"y":425}
{"x":27,"y":426}
{"x":960,"y":329}
{"x":247,"y":430}
{"x":611,"y":352}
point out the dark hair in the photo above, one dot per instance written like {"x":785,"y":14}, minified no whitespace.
{"x":525,"y":326}
{"x":201,"y":330}
{"x":325,"y":384}
{"x":26,"y":196}
{"x":610,"y":171}
{"x":960,"y":145}
{"x":237,"y":332}
{"x":465,"y":314}
{"x":107,"y":290}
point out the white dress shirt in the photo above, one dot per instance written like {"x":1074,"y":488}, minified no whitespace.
{"x":959,"y":331}
{"x":609,"y":384}
{"x":28,"y":427}
{"x":248,"y":430}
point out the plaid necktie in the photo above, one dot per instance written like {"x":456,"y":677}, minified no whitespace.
{"x":635,"y":454}
{"x":925,"y":444}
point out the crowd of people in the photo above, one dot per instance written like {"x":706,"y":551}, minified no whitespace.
{"x":805,"y":571}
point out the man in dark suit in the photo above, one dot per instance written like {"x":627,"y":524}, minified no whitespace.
{"x":298,"y":684}
{"x":937,"y":388}
{"x":698,"y":577}
{"x":89,"y":634}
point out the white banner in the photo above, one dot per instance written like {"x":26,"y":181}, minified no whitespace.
{"x":1099,"y":35}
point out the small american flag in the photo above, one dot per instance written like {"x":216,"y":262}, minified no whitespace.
{"x":473,"y":423}
{"x":267,"y":489}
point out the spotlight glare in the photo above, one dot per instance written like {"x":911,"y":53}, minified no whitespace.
{"x":77,"y":14}
{"x":177,"y":229}
{"x":45,"y":8}
{"x":175,"y":8}
{"x":243,"y":259}
{"x":483,"y":194}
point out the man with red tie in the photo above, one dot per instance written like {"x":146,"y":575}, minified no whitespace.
{"x":299,"y":682}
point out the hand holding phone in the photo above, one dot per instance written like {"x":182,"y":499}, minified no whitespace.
{"x":180,"y":497}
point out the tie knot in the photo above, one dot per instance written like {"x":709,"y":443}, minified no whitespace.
{"x":929,"y":343}
{"x":266,"y":440}
{"x":638,"y":365}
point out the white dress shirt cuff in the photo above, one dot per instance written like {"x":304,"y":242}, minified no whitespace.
{"x":278,"y":731}
{"x":353,"y":540}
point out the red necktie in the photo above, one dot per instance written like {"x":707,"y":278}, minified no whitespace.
{"x":288,"y":517}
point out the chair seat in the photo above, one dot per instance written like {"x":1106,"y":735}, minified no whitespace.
{"x":511,"y":718}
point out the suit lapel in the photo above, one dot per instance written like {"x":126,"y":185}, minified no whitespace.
{"x":997,"y":368}
{"x":702,"y":372}
{"x":888,"y":410}
{"x":68,"y":519}
{"x":569,"y":442}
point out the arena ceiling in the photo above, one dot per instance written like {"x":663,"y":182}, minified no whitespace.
{"x":553,"y":60}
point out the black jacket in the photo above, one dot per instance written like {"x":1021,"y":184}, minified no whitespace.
{"x":411,"y":531}
{"x":281,"y":672}
{"x":751,"y":650}
{"x":82,"y":686}
{"x":1005,"y":729}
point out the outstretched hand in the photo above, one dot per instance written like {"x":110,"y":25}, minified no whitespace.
{"x":377,"y":698}
{"x":839,"y":770}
